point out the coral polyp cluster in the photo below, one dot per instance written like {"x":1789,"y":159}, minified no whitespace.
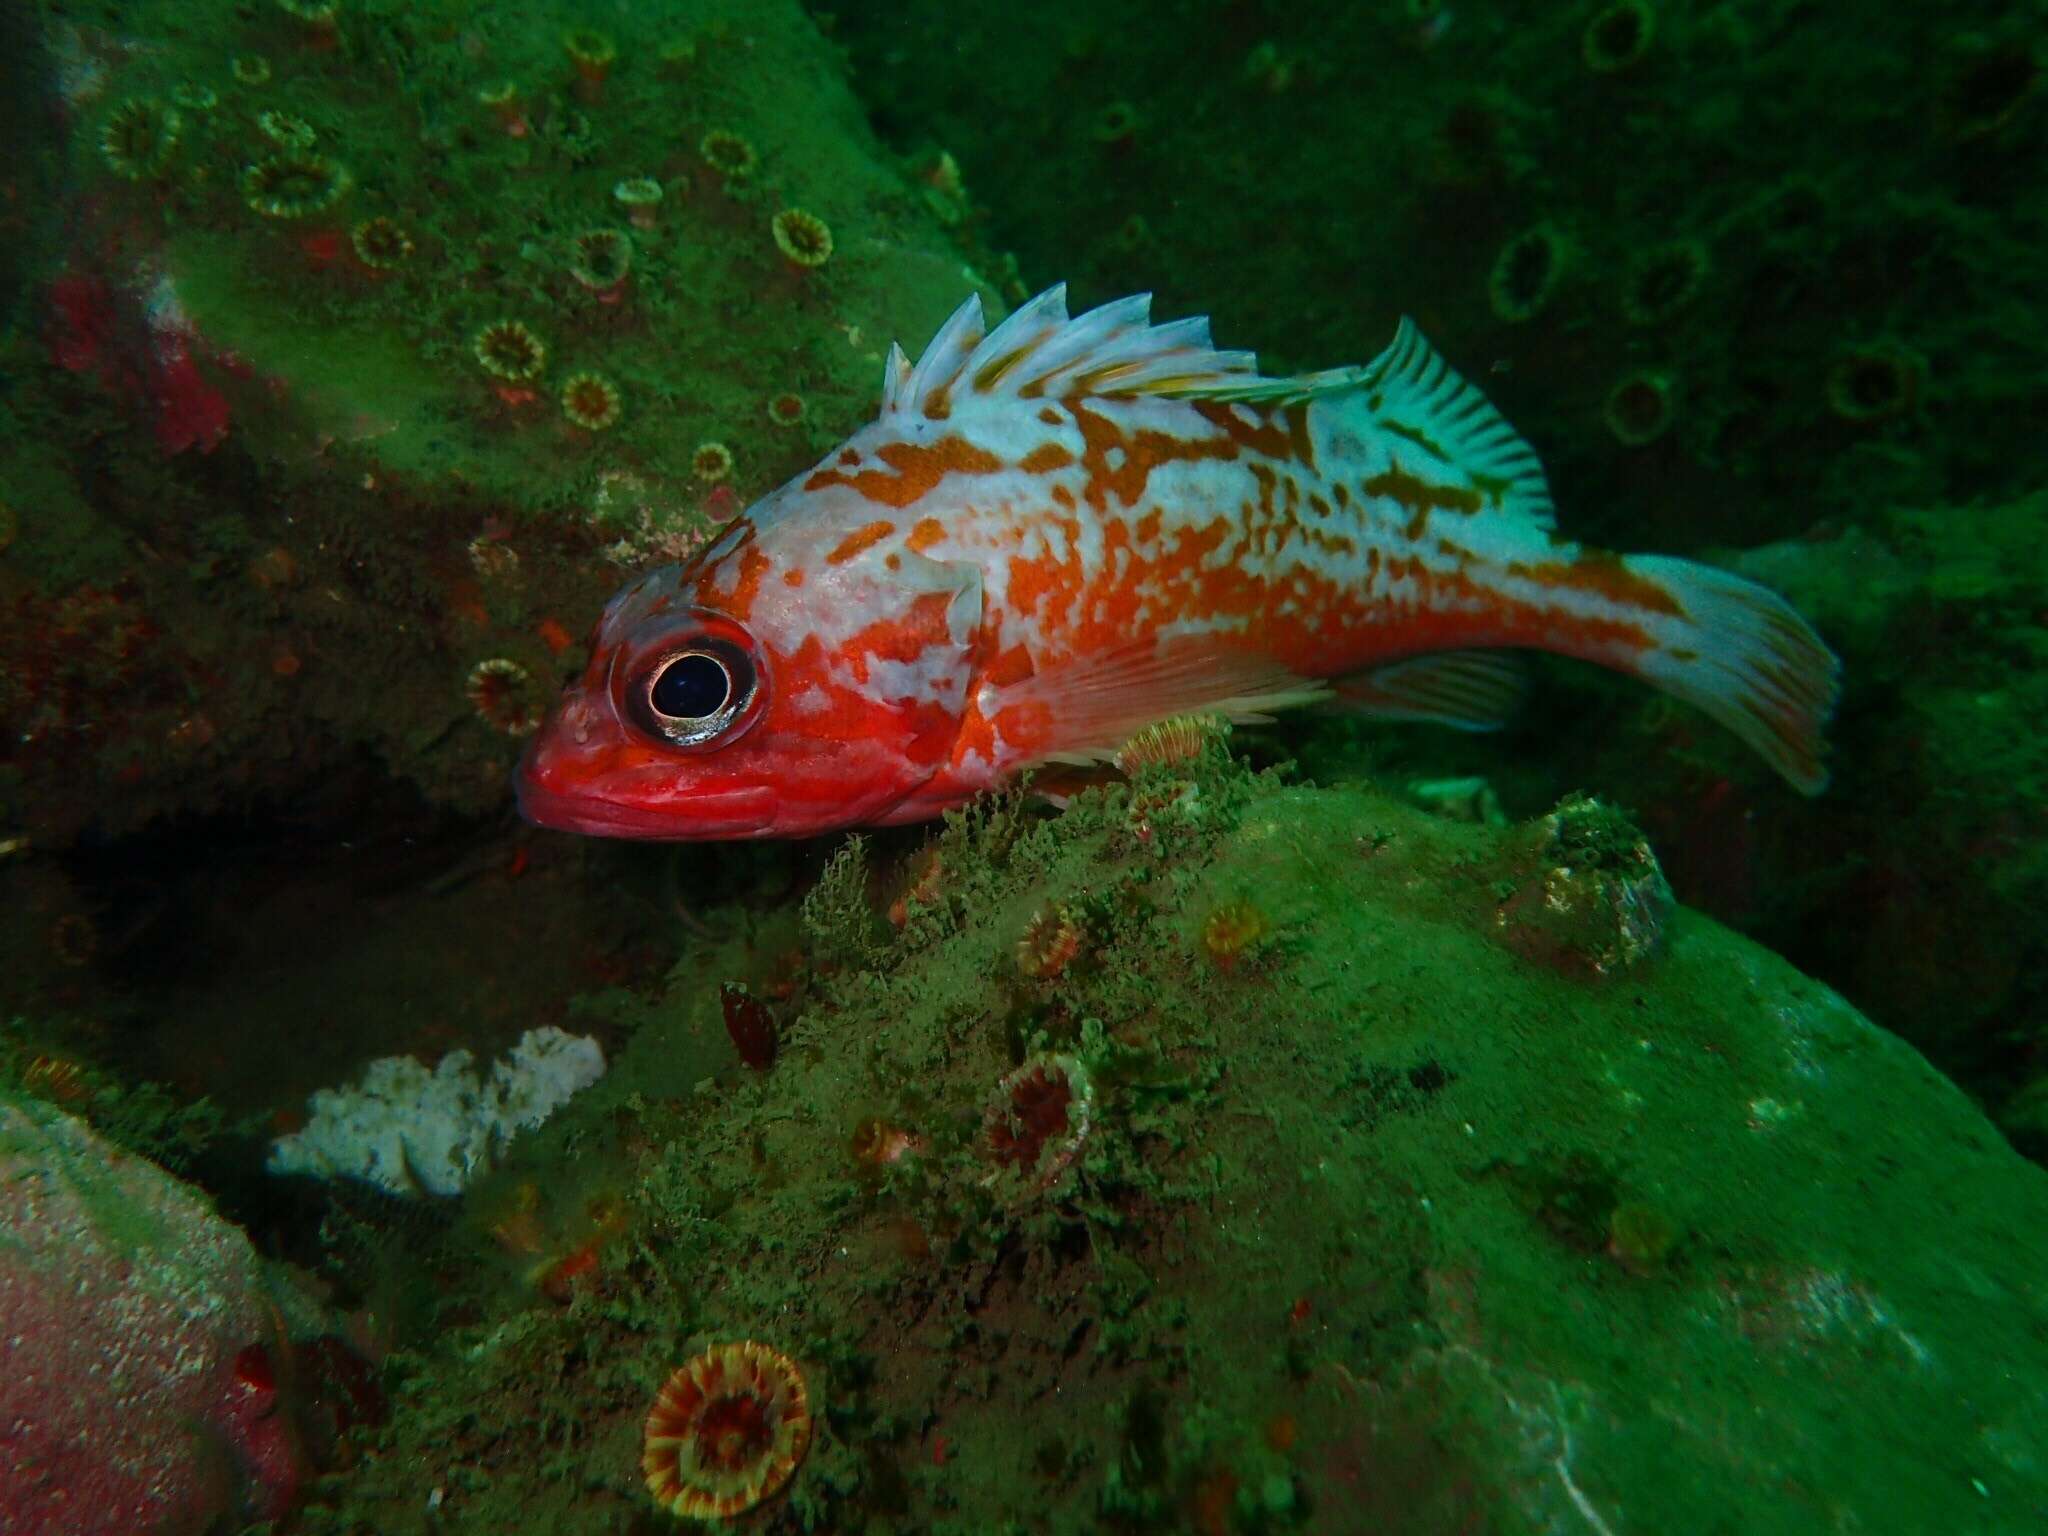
{"x":603,"y":258}
{"x":591,"y":401}
{"x":294,"y":185}
{"x":1052,"y":941}
{"x":285,"y":130}
{"x":1874,"y":383}
{"x":1037,"y":1120}
{"x":1662,"y":280}
{"x":1617,"y":38}
{"x":591,"y":53}
{"x":380,"y":244}
{"x":1639,"y":408}
{"x":711,"y":463}
{"x":1232,"y":932}
{"x":508,"y":350}
{"x":639,"y":198}
{"x":1525,"y":273}
{"x":139,"y":137}
{"x":728,"y":153}
{"x":1173,"y":744}
{"x":802,"y":237}
{"x":727,"y":1430}
{"x":505,"y":696}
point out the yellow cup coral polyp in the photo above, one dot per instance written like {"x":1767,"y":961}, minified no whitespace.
{"x":726,"y":1431}
{"x":381,"y":244}
{"x":507,"y":349}
{"x":592,"y":401}
{"x":139,"y":137}
{"x":728,"y":153}
{"x":294,"y":184}
{"x":1232,"y":932}
{"x":1037,"y":1121}
{"x":803,"y":238}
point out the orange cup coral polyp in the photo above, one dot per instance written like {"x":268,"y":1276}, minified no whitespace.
{"x":726,"y":1431}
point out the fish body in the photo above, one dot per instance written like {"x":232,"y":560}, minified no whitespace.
{"x":1063,"y":530}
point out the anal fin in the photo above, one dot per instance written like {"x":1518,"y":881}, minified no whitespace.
{"x":1471,"y":690}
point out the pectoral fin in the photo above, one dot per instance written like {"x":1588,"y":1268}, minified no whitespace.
{"x":1083,"y":711}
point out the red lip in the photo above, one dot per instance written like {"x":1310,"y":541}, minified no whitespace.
{"x":707,"y":816}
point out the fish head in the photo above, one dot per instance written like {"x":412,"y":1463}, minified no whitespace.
{"x":766,"y":689}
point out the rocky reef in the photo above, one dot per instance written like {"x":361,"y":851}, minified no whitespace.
{"x":1242,"y":1149}
{"x":1220,"y":1156}
{"x":148,"y":1346}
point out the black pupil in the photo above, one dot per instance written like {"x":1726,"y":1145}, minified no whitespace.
{"x":691,"y":687}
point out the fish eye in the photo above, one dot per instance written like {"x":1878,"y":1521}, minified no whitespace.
{"x":694,"y":693}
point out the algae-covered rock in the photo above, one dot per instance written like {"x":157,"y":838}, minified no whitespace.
{"x":145,"y":1346}
{"x":391,"y":367}
{"x":1218,"y":1157}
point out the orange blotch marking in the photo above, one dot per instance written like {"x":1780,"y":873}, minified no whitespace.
{"x":792,"y":578}
{"x":1030,"y":580}
{"x":1278,"y":434}
{"x":905,"y":638}
{"x":914,"y":469}
{"x":753,"y":567}
{"x":924,"y":534}
{"x":1420,"y":496}
{"x":1045,"y":458}
{"x":1142,"y":453}
{"x":1603,"y":574}
{"x":867,"y":536}
{"x":1012,"y":666}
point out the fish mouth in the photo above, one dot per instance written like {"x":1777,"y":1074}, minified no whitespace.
{"x":709,"y":816}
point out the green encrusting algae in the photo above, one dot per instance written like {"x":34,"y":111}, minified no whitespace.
{"x":1423,"y":1208}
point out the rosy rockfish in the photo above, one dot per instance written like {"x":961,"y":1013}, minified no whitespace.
{"x":1063,"y":530}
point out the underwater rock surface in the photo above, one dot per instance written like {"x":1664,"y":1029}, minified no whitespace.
{"x":393,"y":379}
{"x":141,"y":1391}
{"x":1220,"y":1157}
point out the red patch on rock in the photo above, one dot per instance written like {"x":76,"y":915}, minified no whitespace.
{"x":190,"y":412}
{"x":750,"y":1024}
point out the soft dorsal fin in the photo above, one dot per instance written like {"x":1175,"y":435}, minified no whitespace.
{"x":1413,"y":393}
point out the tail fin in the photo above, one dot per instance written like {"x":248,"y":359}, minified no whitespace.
{"x":1739,"y":652}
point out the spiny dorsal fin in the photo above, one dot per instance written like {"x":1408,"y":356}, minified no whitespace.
{"x":923,"y":387}
{"x":1040,"y":352}
{"x":1115,"y":350}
